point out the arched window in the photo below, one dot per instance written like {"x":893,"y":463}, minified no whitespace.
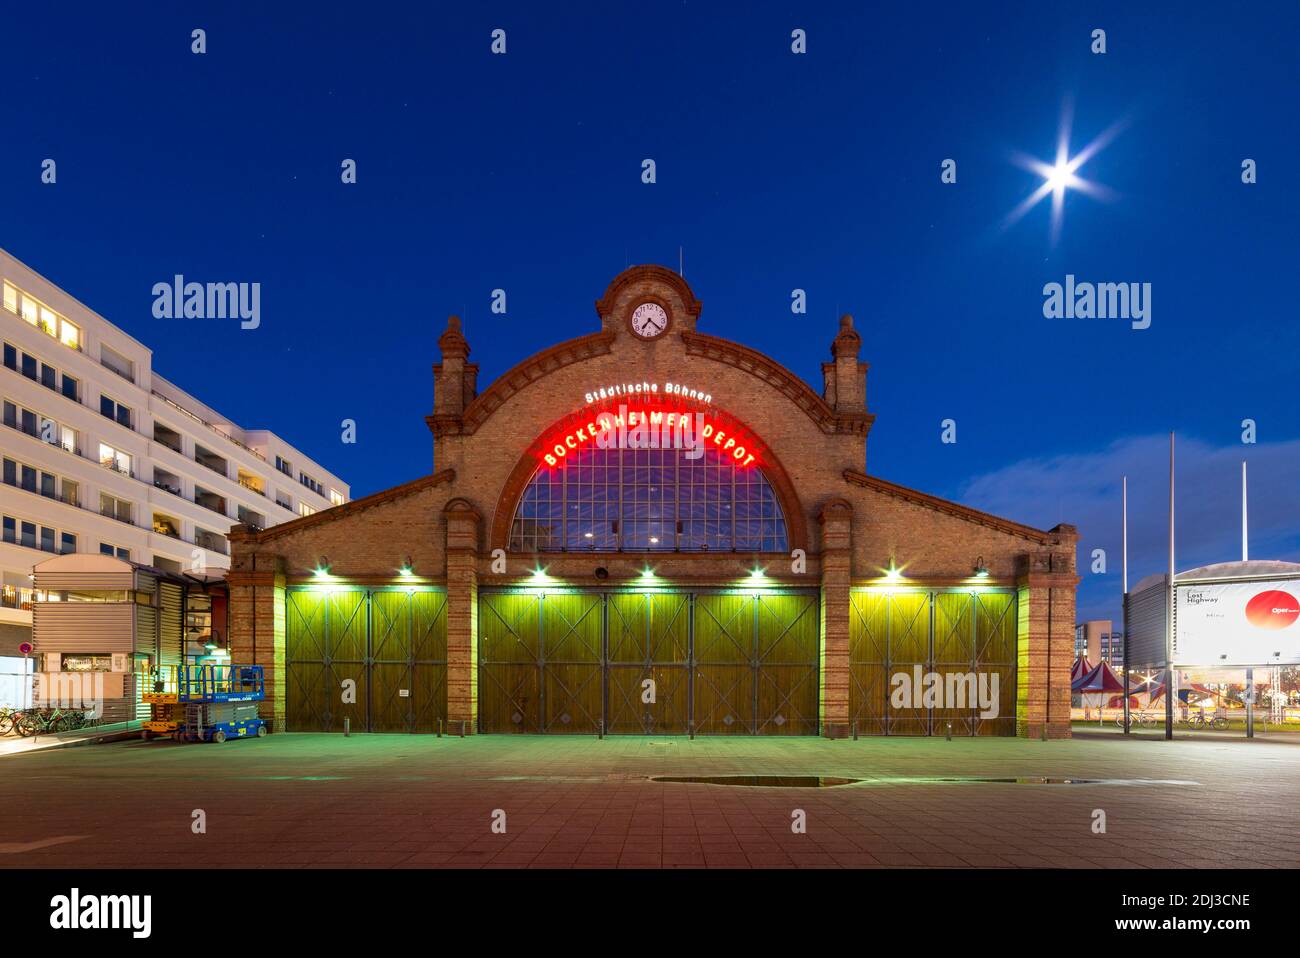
{"x":648,"y":500}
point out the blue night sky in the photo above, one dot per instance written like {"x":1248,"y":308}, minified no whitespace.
{"x":775,"y":172}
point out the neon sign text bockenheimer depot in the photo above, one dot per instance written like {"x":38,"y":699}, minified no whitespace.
{"x":643,"y":388}
{"x":649,"y":426}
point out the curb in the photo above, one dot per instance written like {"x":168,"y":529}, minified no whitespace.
{"x":75,"y":743}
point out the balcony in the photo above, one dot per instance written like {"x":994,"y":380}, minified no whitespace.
{"x":206,"y":457}
{"x":166,"y":526}
{"x":251,"y":482}
{"x":211,"y":541}
{"x":181,"y":409}
{"x":167,"y":481}
{"x":117,"y":363}
{"x":210,"y":500}
{"x":167,"y":437}
{"x":252,"y":519}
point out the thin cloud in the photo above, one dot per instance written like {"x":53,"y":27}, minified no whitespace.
{"x":1084,"y":489}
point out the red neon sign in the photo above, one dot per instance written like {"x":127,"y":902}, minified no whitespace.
{"x":653,"y":424}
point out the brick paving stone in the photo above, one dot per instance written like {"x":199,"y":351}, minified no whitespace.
{"x":414,"y":801}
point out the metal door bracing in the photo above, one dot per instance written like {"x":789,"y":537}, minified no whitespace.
{"x":953,"y":633}
{"x":649,"y":663}
{"x":376,"y":657}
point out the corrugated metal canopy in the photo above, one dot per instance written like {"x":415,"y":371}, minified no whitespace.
{"x":1251,"y":569}
{"x":84,"y":570}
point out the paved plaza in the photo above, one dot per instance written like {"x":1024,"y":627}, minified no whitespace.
{"x":296,"y":800}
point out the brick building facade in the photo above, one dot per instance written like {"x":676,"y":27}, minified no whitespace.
{"x":728,"y":569}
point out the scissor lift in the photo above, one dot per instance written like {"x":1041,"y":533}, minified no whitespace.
{"x":205,"y":703}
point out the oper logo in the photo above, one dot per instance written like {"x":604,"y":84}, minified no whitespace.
{"x":1272,"y":609}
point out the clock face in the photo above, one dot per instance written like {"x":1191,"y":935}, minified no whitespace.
{"x":649,"y":320}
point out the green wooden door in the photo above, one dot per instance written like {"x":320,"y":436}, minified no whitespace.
{"x":648,"y":679}
{"x":509,"y":669}
{"x":572,"y":663}
{"x":377,"y":658}
{"x":961,"y":642}
{"x":408,"y":651}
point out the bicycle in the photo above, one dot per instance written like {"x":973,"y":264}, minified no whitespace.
{"x":1199,"y":721}
{"x":42,"y":721}
{"x":1137,"y":718}
{"x":7,"y":715}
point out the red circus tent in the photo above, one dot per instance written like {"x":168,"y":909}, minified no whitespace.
{"x":1081,"y":667}
{"x":1097,"y":681}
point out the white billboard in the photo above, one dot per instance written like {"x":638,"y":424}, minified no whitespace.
{"x":1238,"y":623}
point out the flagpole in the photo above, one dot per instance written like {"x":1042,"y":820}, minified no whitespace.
{"x":1124,"y":599}
{"x":1169,"y":607}
{"x":1245,"y":538}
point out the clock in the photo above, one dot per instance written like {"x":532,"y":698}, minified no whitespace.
{"x":649,"y":320}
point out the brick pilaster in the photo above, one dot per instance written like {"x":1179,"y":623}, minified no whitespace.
{"x":463,"y":528}
{"x":1045,"y":645}
{"x":837,"y":569}
{"x":257,"y":621}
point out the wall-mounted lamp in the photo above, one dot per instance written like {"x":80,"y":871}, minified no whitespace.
{"x":408,"y":567}
{"x":322,"y":567}
{"x":981,"y":570}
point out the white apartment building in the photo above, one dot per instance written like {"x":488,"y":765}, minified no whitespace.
{"x":101,"y":454}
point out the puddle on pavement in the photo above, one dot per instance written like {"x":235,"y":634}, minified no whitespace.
{"x":297,"y":778}
{"x":823,"y":781}
{"x":764,"y":781}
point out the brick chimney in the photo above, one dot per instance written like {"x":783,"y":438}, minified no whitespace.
{"x":455,"y":382}
{"x":845,"y":379}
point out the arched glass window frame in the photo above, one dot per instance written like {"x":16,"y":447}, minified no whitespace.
{"x":739,"y":512}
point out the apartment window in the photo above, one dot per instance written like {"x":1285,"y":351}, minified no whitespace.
{"x":114,"y":459}
{"x":23,"y":533}
{"x":336,"y":497}
{"x":43,"y":428}
{"x":305,"y":510}
{"x":41,"y":316}
{"x":282,"y":499}
{"x":114,"y":508}
{"x":67,"y":543}
{"x":284,"y":466}
{"x":112,"y":409}
{"x":33,"y":480}
{"x":311,"y":484}
{"x":44,"y":373}
{"x":116,"y":551}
